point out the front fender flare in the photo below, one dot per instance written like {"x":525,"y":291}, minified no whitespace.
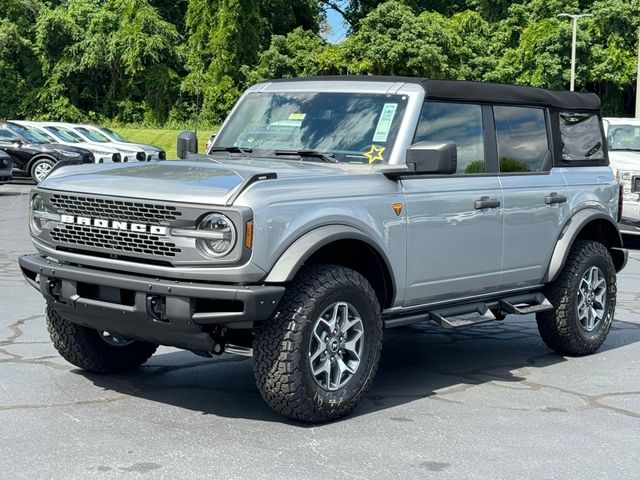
{"x":569,"y":234}
{"x":304,"y":247}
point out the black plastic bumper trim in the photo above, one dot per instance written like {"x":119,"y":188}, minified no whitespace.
{"x":182,"y":327}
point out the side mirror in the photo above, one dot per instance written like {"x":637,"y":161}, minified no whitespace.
{"x":432,"y":157}
{"x":16,"y":142}
{"x":187,"y":144}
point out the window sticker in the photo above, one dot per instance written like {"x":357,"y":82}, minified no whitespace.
{"x":384,"y":123}
{"x":297,"y":116}
{"x":375,"y":154}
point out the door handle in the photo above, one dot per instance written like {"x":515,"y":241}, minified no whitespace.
{"x":486,"y":202}
{"x":554,"y":198}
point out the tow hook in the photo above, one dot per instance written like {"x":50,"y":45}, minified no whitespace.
{"x":157,"y":307}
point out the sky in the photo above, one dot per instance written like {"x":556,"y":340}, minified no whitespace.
{"x":338,"y":27}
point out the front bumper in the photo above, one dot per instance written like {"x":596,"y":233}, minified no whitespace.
{"x":166,"y":312}
{"x":5,"y":176}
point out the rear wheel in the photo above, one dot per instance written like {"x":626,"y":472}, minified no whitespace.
{"x":584,"y":297}
{"x":40,"y":169}
{"x":317,"y":356}
{"x":93,"y":350}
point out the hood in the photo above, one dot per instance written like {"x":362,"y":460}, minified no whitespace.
{"x":146,"y":148}
{"x":98,"y":147}
{"x":624,"y":160}
{"x":49,"y":147}
{"x":131,"y":147}
{"x":197,"y":180}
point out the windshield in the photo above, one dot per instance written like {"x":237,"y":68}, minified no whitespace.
{"x":114,"y":135}
{"x":65,"y":135}
{"x":353,"y":127}
{"x":44,"y":133}
{"x":93,"y":135}
{"x":30,"y":135}
{"x":624,"y":137}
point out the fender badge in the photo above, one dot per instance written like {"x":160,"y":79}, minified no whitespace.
{"x":397,"y":207}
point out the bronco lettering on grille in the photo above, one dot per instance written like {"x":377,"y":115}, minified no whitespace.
{"x":114,"y":225}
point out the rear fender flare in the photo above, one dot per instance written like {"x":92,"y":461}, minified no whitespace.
{"x":568,"y":236}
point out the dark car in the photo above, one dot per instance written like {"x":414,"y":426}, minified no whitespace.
{"x":33,"y":155}
{"x":6,"y":165}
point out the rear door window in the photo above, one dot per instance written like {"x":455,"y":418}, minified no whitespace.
{"x":581,"y":136}
{"x":523,"y":142}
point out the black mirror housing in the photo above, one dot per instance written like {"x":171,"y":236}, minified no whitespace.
{"x":187,"y":144}
{"x":432,"y":158}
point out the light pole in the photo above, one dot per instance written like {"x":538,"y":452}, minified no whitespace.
{"x":574,"y":24}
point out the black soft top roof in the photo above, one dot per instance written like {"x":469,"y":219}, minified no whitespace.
{"x":469,"y":91}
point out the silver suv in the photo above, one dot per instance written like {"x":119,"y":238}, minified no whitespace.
{"x":326,"y":210}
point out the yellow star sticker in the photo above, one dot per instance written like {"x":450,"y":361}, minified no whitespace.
{"x":374,"y":154}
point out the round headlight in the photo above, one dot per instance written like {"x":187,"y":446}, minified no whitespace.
{"x":220,"y":235}
{"x":36,"y":205}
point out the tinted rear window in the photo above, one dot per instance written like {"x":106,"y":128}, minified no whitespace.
{"x":521,"y":134}
{"x":581,"y":136}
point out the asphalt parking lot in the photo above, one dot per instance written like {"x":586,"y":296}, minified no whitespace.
{"x":489,"y":402}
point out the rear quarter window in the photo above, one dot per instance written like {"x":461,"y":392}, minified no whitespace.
{"x":581,"y":137}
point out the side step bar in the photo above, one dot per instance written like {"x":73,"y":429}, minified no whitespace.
{"x":465,"y":315}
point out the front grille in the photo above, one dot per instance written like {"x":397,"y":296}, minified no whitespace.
{"x":136,"y":212}
{"x":132,"y":242}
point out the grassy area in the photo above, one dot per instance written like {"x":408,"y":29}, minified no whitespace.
{"x":159,"y":137}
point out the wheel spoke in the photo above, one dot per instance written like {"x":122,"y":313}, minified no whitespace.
{"x":324,"y":367}
{"x":316,"y":354}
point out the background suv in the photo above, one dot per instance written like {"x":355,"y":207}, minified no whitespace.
{"x":65,"y":136}
{"x":129,"y":152}
{"x":6,"y":166}
{"x":623,"y":140}
{"x":33,"y":155}
{"x":152,"y":152}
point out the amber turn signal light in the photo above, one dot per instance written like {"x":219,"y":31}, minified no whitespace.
{"x":248,"y":234}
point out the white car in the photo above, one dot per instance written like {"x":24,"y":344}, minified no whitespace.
{"x":129,"y":152}
{"x":623,"y":139}
{"x":152,"y":152}
{"x":64,"y":136}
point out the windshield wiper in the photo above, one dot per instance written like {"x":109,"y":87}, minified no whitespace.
{"x":625,"y":149}
{"x":233,"y":149}
{"x":325,"y":157}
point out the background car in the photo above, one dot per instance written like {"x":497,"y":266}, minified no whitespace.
{"x":33,"y":155}
{"x":623,"y":139}
{"x":6,"y":165}
{"x":129,"y":152}
{"x":65,"y":136}
{"x":151,"y":151}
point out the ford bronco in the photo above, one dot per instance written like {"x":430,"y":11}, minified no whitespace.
{"x":328,"y":209}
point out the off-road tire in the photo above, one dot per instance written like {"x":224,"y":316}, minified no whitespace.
{"x":560,"y":328}
{"x":83,"y":347}
{"x":32,"y":171}
{"x":281,"y":346}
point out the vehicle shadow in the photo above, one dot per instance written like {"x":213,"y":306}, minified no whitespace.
{"x":418,"y":361}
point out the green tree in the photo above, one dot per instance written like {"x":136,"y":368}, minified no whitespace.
{"x":393,"y":40}
{"x":113,"y":58}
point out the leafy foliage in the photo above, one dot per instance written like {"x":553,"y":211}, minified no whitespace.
{"x":161,"y":62}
